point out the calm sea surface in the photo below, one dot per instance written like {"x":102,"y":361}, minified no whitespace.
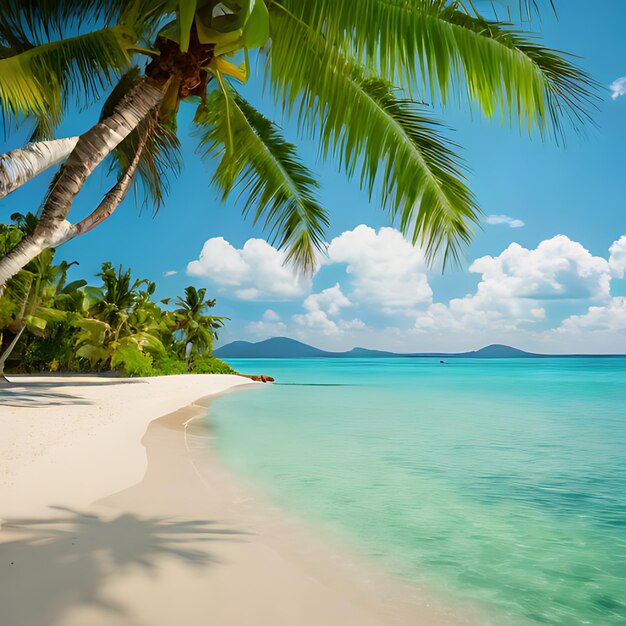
{"x":496,"y":481}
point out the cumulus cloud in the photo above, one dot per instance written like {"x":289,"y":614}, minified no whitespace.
{"x":330,"y":300}
{"x":513,"y":283}
{"x":355,"y":324}
{"x":504,"y":219}
{"x":269,"y":325}
{"x":617,"y":258}
{"x":557,"y":268}
{"x":610,"y":318}
{"x":386,"y":271}
{"x":264,"y":330}
{"x":170,"y":273}
{"x":618,"y":87}
{"x":320,"y":307}
{"x":270,"y":316}
{"x":317,"y":321}
{"x":255,"y":272}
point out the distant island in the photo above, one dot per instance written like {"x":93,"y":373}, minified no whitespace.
{"x":287,"y":348}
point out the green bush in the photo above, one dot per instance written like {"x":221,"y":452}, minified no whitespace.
{"x":139,"y":366}
{"x":168,"y":365}
{"x":211,"y":365}
{"x":53,"y":352}
{"x":132,"y":360}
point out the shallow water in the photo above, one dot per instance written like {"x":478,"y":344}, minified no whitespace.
{"x":497,"y":481}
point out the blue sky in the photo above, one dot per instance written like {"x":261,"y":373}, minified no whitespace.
{"x":543,"y":278}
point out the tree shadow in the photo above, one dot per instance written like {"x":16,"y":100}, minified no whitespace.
{"x":55,"y":565}
{"x":33,"y":394}
{"x":36,"y":399}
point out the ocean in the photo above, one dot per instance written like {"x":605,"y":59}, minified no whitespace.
{"x":496,"y":482}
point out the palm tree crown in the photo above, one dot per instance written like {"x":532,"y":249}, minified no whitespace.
{"x":194,"y":329}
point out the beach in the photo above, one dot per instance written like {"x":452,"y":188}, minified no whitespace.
{"x":115,"y":511}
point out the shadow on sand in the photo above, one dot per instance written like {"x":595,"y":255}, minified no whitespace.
{"x":50,"y":566}
{"x":34,"y":393}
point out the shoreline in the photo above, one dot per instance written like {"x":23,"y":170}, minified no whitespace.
{"x":173,"y":536}
{"x":93,"y":446}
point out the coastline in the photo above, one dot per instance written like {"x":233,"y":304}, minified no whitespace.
{"x":164,"y":534}
{"x":71,"y":440}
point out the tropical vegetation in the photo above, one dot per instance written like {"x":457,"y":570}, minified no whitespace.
{"x":50,"y":324}
{"x":360,"y":77}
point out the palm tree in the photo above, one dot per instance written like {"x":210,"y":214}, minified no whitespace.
{"x":355,"y":75}
{"x":122,"y":323}
{"x":193,"y":328}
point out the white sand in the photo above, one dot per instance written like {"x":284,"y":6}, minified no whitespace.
{"x":149,"y":529}
{"x":72,"y":440}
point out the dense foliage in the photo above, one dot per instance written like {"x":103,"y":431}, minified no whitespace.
{"x":48,"y":323}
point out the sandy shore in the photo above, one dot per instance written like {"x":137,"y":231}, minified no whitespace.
{"x":115,"y":512}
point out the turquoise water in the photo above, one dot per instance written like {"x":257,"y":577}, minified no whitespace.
{"x":496,"y":481}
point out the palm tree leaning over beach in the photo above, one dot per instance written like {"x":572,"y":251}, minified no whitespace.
{"x":355,"y":75}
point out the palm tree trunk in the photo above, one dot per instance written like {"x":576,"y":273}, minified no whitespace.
{"x":91,"y":149}
{"x":7,"y":353}
{"x":113,"y":198}
{"x":19,"y":166}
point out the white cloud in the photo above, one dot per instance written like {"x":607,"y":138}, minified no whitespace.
{"x":618,"y":87}
{"x":514,"y":282}
{"x":170,"y":273}
{"x":617,"y":258}
{"x":320,"y":307}
{"x":355,"y":324}
{"x":255,"y":272}
{"x":538,"y":313}
{"x":504,"y":219}
{"x":270,"y":316}
{"x":610,"y":318}
{"x":557,"y":268}
{"x":387,"y":272}
{"x":269,"y":325}
{"x":330,"y":300}
{"x":263,"y":330}
{"x":317,"y":321}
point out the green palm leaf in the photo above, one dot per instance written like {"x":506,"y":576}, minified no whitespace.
{"x":440,"y":47}
{"x":363,"y":121}
{"x":36,"y":82}
{"x":528,"y":10}
{"x":278,"y":189}
{"x":42,"y":20}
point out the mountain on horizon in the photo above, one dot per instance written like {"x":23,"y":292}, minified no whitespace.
{"x":287,"y":348}
{"x":273,"y":348}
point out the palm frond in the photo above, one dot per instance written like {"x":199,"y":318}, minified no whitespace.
{"x":366,"y":124}
{"x":511,"y":10}
{"x":37,"y":82}
{"x":441,"y":48}
{"x":277,"y":188}
{"x":44,"y":20}
{"x":537,"y":84}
